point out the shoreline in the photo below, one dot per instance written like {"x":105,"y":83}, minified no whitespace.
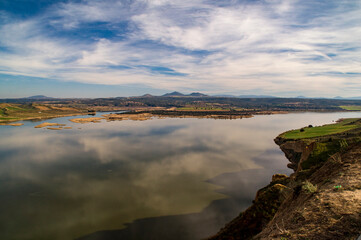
{"x":143,"y":115}
{"x":6,"y":122}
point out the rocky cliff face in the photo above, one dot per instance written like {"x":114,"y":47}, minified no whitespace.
{"x":296,"y":151}
{"x":255,"y":218}
{"x":321,"y":200}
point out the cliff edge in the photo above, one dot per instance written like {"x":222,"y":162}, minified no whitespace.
{"x":320,"y":200}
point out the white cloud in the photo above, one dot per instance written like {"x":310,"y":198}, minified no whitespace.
{"x":270,"y":45}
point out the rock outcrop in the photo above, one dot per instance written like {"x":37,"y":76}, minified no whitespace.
{"x":296,"y":151}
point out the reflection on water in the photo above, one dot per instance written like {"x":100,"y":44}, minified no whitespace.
{"x":94,"y":180}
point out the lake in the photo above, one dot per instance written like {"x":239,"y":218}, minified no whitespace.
{"x":172,"y":178}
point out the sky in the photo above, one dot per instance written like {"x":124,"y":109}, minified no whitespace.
{"x":111,"y":48}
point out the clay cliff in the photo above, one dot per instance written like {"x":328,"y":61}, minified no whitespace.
{"x":320,"y":200}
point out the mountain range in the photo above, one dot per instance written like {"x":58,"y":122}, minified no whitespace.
{"x":178,"y":94}
{"x":198,"y":94}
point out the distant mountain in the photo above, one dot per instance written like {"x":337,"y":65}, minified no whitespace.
{"x":256,"y":96}
{"x":348,"y":98}
{"x":225,"y":95}
{"x":173,"y":94}
{"x":244,"y":96}
{"x":39,"y":97}
{"x":178,"y":94}
{"x":197,"y":94}
{"x":147,"y":95}
{"x":300,"y":97}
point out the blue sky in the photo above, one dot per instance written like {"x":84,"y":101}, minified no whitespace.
{"x":109,"y":48}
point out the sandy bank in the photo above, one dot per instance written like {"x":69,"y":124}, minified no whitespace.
{"x":12,"y":124}
{"x":47,"y":124}
{"x":87,"y":120}
{"x":51,"y":128}
{"x":135,"y":117}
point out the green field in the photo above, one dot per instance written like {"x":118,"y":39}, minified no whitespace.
{"x":14,"y":112}
{"x":18,"y":109}
{"x":310,"y":132}
{"x":8,"y":119}
{"x":351,"y":108}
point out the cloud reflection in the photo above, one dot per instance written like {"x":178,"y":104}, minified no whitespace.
{"x":66,"y":184}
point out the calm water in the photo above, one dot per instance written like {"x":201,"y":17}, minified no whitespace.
{"x":156,"y":179}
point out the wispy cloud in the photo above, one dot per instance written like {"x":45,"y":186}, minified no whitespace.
{"x":270,"y":46}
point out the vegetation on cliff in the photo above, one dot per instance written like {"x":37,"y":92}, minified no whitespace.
{"x":311,"y":132}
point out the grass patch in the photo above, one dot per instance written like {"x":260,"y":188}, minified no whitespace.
{"x":351,"y":108}
{"x":20,"y":109}
{"x":15,"y":108}
{"x":15,"y":112}
{"x":8,"y":118}
{"x":320,"y":153}
{"x":310,"y":132}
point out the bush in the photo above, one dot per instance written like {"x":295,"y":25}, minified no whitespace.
{"x":309,"y":187}
{"x":343,"y":143}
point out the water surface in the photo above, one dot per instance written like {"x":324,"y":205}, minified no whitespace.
{"x":157,"y":179}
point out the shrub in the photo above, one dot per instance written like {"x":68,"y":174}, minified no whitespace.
{"x":343,"y":143}
{"x":309,"y":187}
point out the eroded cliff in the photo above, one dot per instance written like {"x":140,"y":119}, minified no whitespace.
{"x":320,"y":200}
